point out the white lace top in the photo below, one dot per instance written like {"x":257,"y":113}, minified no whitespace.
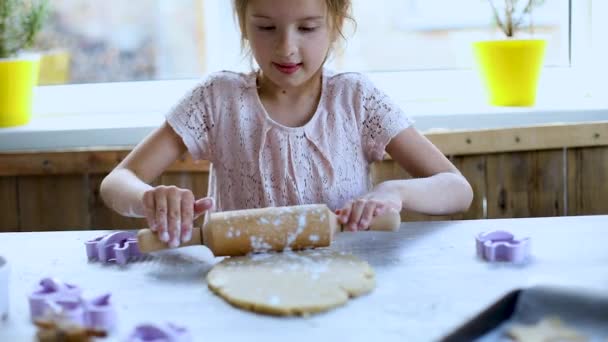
{"x":258,"y":162}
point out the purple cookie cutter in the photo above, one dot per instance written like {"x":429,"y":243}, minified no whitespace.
{"x":159,"y":333}
{"x":119,"y":247}
{"x":500,"y":245}
{"x":54,"y":300}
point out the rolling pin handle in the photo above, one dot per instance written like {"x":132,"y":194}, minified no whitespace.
{"x":387,"y":222}
{"x":148,"y":241}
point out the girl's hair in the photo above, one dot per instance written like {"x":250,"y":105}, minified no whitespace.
{"x":339,"y":11}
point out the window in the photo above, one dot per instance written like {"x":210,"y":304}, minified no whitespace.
{"x":116,"y":40}
{"x":139,"y":40}
{"x":437,"y":34}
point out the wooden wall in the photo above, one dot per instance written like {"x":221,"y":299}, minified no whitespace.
{"x":518,"y":172}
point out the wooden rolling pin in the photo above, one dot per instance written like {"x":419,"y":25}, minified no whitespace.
{"x":239,"y":232}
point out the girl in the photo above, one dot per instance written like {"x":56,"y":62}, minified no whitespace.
{"x":289,"y":133}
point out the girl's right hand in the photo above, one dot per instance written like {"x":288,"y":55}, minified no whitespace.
{"x":171,"y":211}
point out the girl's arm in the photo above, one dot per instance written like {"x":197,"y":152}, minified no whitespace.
{"x":123,"y":189}
{"x":169,"y":210}
{"x":437,"y":188}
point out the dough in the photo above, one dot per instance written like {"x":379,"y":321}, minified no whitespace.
{"x":291,"y":283}
{"x":548,"y":329}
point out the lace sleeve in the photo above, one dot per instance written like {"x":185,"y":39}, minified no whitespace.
{"x":382,"y":120}
{"x":191,"y":118}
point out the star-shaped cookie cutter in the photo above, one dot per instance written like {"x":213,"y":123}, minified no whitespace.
{"x":500,"y":245}
{"x":54,"y":300}
{"x":118,"y":247}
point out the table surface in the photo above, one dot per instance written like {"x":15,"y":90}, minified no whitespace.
{"x":429,"y":281}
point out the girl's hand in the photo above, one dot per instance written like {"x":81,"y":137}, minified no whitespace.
{"x":358,"y":213}
{"x":171,"y":211}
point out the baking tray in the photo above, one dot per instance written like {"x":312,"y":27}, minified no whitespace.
{"x":581,"y":309}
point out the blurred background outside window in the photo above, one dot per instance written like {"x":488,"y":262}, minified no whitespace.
{"x":141,"y":40}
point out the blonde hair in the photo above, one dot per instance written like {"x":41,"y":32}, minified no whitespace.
{"x":339,"y":11}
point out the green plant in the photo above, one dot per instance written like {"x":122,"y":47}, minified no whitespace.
{"x":20,"y":22}
{"x":514,"y":14}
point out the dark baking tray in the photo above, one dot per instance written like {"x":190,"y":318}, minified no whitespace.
{"x":581,"y":309}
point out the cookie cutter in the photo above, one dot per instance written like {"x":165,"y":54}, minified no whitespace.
{"x":118,"y":247}
{"x":54,"y":300}
{"x":167,"y":332}
{"x":500,"y":245}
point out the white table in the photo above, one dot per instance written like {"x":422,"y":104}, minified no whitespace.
{"x":428,"y":281}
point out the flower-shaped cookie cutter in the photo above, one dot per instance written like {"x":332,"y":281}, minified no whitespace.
{"x":159,"y":333}
{"x":118,"y":247}
{"x":54,"y":300}
{"x":500,"y":245}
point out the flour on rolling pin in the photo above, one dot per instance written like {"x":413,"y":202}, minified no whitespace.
{"x":240,"y":232}
{"x":261,"y":230}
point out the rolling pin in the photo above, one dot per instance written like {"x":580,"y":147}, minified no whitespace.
{"x":239,"y":232}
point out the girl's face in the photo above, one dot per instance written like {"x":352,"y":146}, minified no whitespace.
{"x":289,"y":39}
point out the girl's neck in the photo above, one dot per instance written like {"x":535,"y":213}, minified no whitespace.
{"x":270,"y":91}
{"x":292,"y":107}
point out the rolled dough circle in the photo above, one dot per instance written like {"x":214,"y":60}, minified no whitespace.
{"x":291,"y":283}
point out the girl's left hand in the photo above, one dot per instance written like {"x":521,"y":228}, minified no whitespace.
{"x":358,"y":213}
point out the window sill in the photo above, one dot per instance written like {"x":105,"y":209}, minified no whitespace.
{"x":122,"y":114}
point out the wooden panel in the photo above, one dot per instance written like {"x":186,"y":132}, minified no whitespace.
{"x":588,"y":181}
{"x":521,"y":138}
{"x":103,"y":217}
{"x":61,"y":162}
{"x":526,"y":184}
{"x":53,"y":202}
{"x":9,"y":210}
{"x":96,"y":160}
{"x":60,"y":196}
{"x":78,"y":162}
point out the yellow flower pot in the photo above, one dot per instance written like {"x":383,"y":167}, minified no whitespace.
{"x":510,"y":70}
{"x":18,"y":77}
